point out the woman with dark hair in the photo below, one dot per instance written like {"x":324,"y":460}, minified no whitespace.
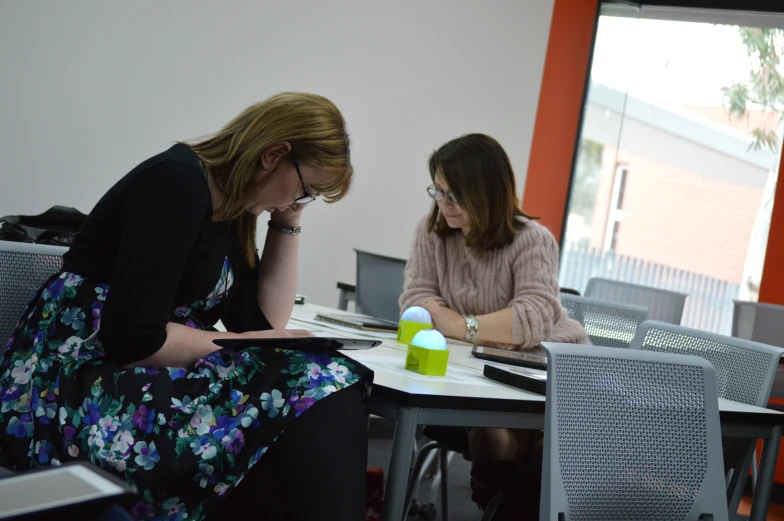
{"x":488,"y":274}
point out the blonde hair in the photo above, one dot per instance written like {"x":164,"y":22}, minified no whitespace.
{"x":313,"y":126}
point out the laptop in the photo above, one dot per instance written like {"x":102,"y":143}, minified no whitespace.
{"x":356,"y":321}
{"x":534,"y":357}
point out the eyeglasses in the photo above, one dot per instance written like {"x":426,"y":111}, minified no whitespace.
{"x":437,"y":194}
{"x":307,"y":198}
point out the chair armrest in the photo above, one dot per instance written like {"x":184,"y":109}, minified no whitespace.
{"x":347,"y":294}
{"x":345,"y":286}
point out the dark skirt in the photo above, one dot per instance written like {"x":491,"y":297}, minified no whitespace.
{"x":183,"y":437}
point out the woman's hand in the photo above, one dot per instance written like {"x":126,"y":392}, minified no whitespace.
{"x":289,"y":216}
{"x":276,"y":333}
{"x":448,"y":322}
{"x":185,"y":346}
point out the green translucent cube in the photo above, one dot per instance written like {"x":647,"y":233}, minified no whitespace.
{"x":430,"y":362}
{"x":407,"y":329}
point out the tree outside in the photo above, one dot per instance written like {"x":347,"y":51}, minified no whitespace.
{"x":762,"y":91}
{"x":584,"y":186}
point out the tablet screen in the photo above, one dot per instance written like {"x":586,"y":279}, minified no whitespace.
{"x":66,"y":485}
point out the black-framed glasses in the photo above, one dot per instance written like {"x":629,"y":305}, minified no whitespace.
{"x":307,"y":198}
{"x":437,"y":194}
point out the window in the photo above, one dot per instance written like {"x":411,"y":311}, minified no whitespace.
{"x":676,"y":168}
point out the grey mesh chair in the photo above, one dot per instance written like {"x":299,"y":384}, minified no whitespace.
{"x":608,"y":324}
{"x":662,"y":304}
{"x":23,"y":269}
{"x":380,"y":282}
{"x":758,"y":322}
{"x":630,"y":434}
{"x":761,"y":323}
{"x":744,"y":373}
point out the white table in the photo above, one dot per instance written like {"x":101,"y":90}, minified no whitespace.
{"x":411,"y":400}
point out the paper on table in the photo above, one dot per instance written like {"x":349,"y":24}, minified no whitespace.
{"x":391,"y":364}
{"x":353,"y":331}
{"x":296,"y":325}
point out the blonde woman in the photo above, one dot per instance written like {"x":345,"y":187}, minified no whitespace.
{"x":114,"y":361}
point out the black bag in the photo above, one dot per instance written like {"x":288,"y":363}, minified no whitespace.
{"x":56,"y":226}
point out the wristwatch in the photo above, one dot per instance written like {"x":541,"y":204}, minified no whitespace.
{"x":472,"y":328}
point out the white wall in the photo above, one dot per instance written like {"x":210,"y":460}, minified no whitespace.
{"x":91,"y":88}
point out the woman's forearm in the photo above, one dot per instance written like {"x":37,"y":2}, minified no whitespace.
{"x":495,"y":327}
{"x":277,"y":284}
{"x":183,"y":347}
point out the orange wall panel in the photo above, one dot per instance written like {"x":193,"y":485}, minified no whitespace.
{"x":772,"y":283}
{"x":558,"y":114}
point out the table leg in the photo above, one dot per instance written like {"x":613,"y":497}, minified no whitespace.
{"x":444,"y":484}
{"x":400,"y":463}
{"x":767,"y":468}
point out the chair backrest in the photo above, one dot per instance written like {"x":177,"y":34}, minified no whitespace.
{"x":662,"y":304}
{"x":744,"y":369}
{"x":380,"y":282}
{"x":758,"y":322}
{"x":630,"y":434}
{"x":23,"y":269}
{"x":744,"y":373}
{"x":608,"y":324}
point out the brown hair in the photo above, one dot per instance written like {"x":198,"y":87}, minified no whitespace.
{"x":480,"y":175}
{"x":313,"y":126}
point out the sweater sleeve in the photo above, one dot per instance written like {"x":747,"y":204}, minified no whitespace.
{"x":535,"y":303}
{"x":421,"y":283}
{"x":163,"y":211}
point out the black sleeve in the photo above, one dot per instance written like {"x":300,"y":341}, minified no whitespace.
{"x":164,"y":209}
{"x":242,"y":312}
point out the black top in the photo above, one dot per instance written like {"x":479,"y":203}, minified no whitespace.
{"x":152,"y":239}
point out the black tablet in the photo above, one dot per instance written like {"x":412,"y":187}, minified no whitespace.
{"x":64,"y":492}
{"x":308,"y":343}
{"x":534,"y":380}
{"x":534,"y":357}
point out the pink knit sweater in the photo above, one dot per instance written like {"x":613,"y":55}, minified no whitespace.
{"x":522,"y":275}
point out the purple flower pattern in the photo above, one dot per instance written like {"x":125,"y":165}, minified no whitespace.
{"x":133,"y":422}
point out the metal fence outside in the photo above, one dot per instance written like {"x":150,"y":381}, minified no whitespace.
{"x":708,"y":306}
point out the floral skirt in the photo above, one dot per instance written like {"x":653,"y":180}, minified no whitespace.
{"x":183,"y":437}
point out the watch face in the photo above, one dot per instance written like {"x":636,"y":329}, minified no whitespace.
{"x":472,"y":328}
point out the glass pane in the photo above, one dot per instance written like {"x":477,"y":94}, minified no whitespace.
{"x":601,"y":136}
{"x":670,"y":190}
